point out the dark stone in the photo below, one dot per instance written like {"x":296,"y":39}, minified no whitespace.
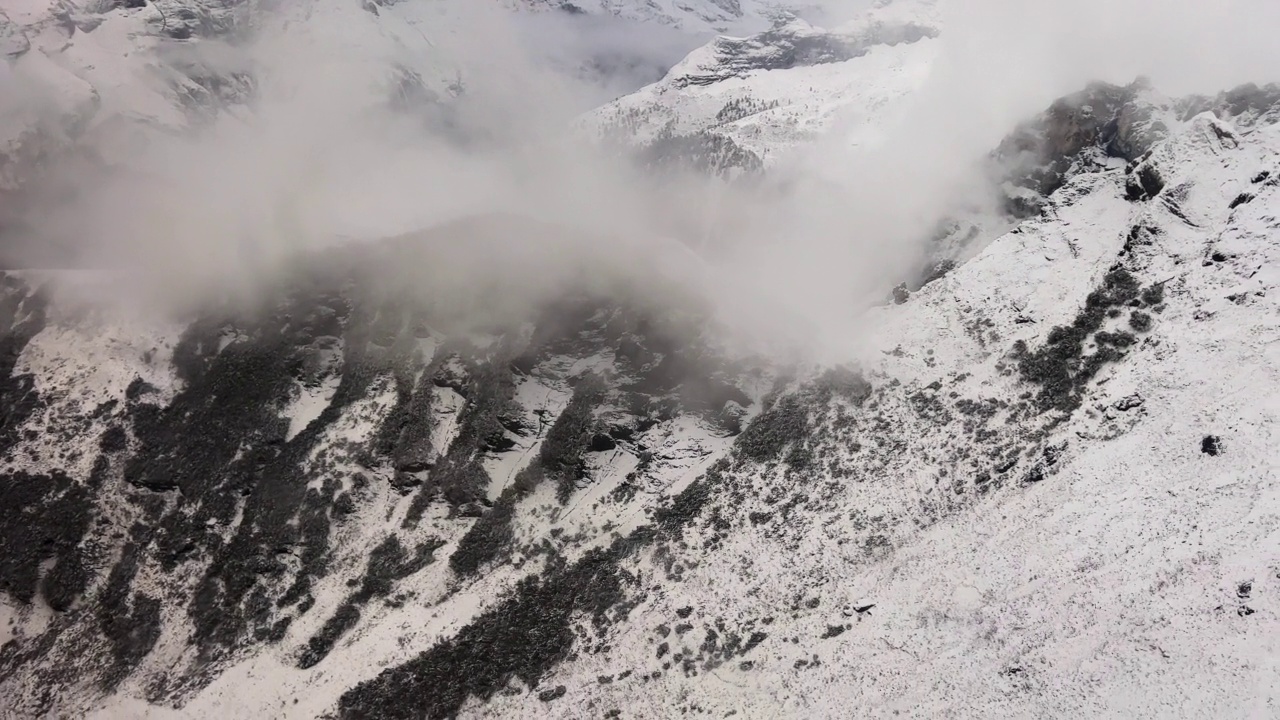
{"x":1140,"y":321}
{"x":834,"y":630}
{"x":323,"y":641}
{"x":44,"y":519}
{"x":1061,"y":368}
{"x":522,"y":637}
{"x":131,"y":625}
{"x":388,"y":563}
{"x":1144,"y":183}
{"x":570,"y":436}
{"x":601,"y":443}
{"x":138,"y":388}
{"x":113,"y":440}
{"x":552,"y":694}
{"x":18,"y":396}
{"x":1128,"y":403}
{"x":490,"y":536}
{"x":459,"y":477}
{"x":1211,"y":445}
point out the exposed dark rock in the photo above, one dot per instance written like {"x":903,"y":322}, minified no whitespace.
{"x":486,"y":540}
{"x":522,"y":637}
{"x":1128,"y":403}
{"x":44,"y":519}
{"x":1109,"y":120}
{"x":1061,"y":368}
{"x":113,"y":440}
{"x":1241,"y":104}
{"x":552,"y":694}
{"x":571,"y":436}
{"x":138,"y":388}
{"x":706,"y":153}
{"x":1211,"y":445}
{"x":131,"y":625}
{"x":834,"y":631}
{"x":22,"y":317}
{"x":790,"y":44}
{"x":601,"y":442}
{"x":388,"y":563}
{"x":1143,"y":182}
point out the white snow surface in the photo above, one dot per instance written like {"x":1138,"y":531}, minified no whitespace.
{"x":1138,"y":578}
{"x":786,"y":108}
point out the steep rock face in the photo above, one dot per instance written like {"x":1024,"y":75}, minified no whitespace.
{"x":587,"y":508}
{"x":985,"y":515}
{"x":233,"y":469}
{"x":789,"y":44}
{"x":1082,"y":131}
{"x":1109,"y":123}
{"x":1045,"y":485}
{"x":13,"y":40}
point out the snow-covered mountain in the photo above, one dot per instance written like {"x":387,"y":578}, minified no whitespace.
{"x":503,"y":468}
{"x":769,"y":92}
{"x":695,"y":16}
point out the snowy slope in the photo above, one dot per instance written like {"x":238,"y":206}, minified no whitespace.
{"x":981,"y":516}
{"x":1120,"y":561}
{"x":771,"y":92}
{"x":110,"y":77}
{"x":1042,"y":483}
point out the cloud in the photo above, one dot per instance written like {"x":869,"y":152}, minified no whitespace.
{"x":608,"y":56}
{"x":858,"y":213}
{"x":359,"y":129}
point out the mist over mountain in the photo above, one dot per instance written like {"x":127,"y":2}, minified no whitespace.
{"x":609,"y":358}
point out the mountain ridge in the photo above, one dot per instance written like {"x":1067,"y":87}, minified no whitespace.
{"x":502,"y":467}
